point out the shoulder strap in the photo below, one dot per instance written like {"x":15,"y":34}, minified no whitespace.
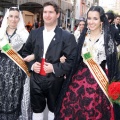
{"x":13,"y":55}
{"x":97,"y":72}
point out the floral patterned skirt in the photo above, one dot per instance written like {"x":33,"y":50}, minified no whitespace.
{"x":84,"y":99}
{"x":12,"y":79}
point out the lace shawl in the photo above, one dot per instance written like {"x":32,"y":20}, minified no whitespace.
{"x":96,"y":49}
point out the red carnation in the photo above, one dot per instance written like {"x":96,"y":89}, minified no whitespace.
{"x":114,"y":90}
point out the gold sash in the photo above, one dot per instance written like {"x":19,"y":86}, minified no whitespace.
{"x":13,"y":55}
{"x":98,"y":73}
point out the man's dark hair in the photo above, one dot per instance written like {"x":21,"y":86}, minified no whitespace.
{"x":116,"y":16}
{"x":52,"y":3}
{"x":110,"y":16}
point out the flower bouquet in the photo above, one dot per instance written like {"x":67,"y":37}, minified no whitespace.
{"x":114,"y":92}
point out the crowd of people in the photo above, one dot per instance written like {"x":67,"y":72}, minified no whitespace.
{"x":50,"y":66}
{"x":31,"y":26}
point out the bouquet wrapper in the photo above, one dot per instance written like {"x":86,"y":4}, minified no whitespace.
{"x":42,"y":71}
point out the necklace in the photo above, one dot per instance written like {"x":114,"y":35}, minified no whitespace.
{"x":11,"y":28}
{"x":96,"y":50}
{"x":9,"y":36}
{"x":91,"y":45}
{"x":94,"y":38}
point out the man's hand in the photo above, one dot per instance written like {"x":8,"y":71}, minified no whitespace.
{"x":62,"y":59}
{"x":29,"y":58}
{"x":36,"y":67}
{"x":48,"y":67}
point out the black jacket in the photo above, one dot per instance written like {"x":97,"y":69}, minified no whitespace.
{"x":115,"y":34}
{"x":63,"y":43}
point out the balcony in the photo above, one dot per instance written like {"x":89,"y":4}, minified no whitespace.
{"x":11,"y":1}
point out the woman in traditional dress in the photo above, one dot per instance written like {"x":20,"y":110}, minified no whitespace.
{"x":13,"y":35}
{"x":84,"y":93}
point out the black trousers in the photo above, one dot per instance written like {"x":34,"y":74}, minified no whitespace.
{"x":42,"y":90}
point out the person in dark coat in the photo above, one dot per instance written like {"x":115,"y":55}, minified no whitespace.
{"x":114,"y":31}
{"x":48,"y":43}
{"x":116,"y":23}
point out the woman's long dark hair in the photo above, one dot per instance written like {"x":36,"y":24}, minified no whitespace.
{"x":110,"y":50}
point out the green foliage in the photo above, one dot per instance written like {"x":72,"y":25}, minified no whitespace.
{"x":113,"y":12}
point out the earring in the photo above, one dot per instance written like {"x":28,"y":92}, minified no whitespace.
{"x":102,"y":31}
{"x":88,"y":31}
{"x":101,"y":28}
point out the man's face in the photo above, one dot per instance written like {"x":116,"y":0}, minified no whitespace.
{"x":117,"y":20}
{"x":50,"y":16}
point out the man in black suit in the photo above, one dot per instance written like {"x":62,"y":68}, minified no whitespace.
{"x":114,"y":30}
{"x":49,"y":42}
{"x":117,"y":22}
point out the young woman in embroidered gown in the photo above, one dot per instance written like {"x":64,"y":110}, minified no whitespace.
{"x":83,"y":97}
{"x":12,"y":77}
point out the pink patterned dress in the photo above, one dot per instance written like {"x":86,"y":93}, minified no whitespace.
{"x":84,"y":99}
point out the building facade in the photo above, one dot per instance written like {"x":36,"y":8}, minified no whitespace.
{"x":35,"y":7}
{"x":32,"y":9}
{"x":113,"y":5}
{"x":81,"y":8}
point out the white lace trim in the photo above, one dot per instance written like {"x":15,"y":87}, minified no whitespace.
{"x":16,"y":42}
{"x":96,"y":49}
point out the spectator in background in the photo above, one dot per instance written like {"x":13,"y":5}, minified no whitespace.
{"x":79,"y":29}
{"x":68,"y":27}
{"x":36,"y":24}
{"x":114,"y":31}
{"x":117,"y":22}
{"x":39,"y":24}
{"x":110,"y":16}
{"x":29,"y":26}
{"x":75,"y":27}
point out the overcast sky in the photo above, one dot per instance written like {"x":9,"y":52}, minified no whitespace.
{"x":106,"y":2}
